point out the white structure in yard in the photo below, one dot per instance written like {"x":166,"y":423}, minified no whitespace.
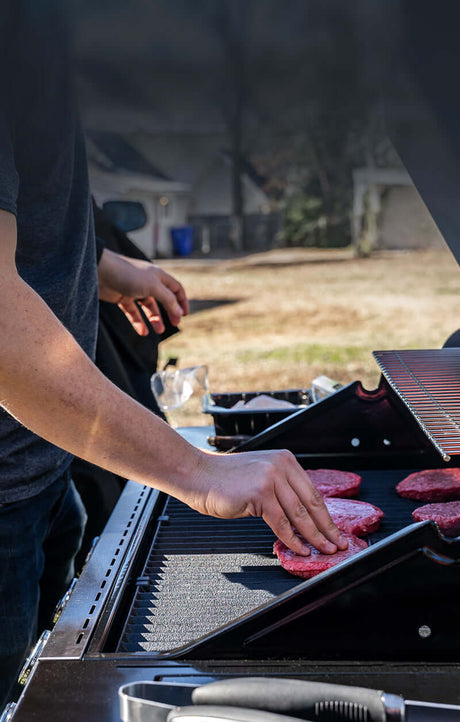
{"x":165,"y":204}
{"x":387,"y":206}
{"x":118,"y":173}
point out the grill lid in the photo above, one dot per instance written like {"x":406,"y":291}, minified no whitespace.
{"x":428,"y":382}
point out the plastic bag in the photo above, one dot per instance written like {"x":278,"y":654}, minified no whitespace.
{"x":173,"y":387}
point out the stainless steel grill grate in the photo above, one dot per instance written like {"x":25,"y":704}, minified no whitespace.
{"x":428,"y":382}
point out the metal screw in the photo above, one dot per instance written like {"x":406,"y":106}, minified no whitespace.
{"x":355,"y":442}
{"x":386,"y":442}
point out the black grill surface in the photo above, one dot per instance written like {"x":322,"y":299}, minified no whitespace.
{"x":202,"y":573}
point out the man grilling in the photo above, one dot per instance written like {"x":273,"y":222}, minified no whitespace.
{"x":56,"y":403}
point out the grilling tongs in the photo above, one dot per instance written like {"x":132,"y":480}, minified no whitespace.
{"x":315,"y":701}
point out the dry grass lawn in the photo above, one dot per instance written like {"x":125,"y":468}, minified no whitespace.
{"x":278,"y":319}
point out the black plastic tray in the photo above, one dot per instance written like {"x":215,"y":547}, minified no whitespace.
{"x":232,"y":422}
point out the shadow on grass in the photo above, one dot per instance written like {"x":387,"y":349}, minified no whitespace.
{"x":294,"y":262}
{"x":204,"y":304}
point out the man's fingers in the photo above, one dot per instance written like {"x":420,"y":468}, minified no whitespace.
{"x":182,"y":300}
{"x":274,"y":516}
{"x":172,"y":295}
{"x":134,"y":316}
{"x":170,"y":303}
{"x":300,"y":518}
{"x":304,"y":507}
{"x":179,"y":293}
{"x":152,"y":313}
{"x":311,"y":497}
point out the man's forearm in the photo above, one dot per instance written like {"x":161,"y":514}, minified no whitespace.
{"x":49,"y":384}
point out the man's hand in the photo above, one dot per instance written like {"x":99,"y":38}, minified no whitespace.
{"x":131,"y":283}
{"x":272,"y":485}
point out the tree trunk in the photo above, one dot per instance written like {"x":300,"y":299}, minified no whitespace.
{"x":237,"y":216}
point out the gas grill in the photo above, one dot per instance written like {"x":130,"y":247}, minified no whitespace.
{"x":172,"y":596}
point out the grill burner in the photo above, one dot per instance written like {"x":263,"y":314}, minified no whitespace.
{"x":428,"y":382}
{"x":193,"y":555}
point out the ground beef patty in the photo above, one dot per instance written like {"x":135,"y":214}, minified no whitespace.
{"x":445,"y":514}
{"x":331,"y":482}
{"x":307,"y":567}
{"x":431,"y":485}
{"x":354,"y":517}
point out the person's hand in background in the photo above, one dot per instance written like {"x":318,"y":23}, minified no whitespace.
{"x":133,"y":283}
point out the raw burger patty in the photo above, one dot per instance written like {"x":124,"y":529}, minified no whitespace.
{"x":354,"y":517}
{"x":316,"y":563}
{"x":431,"y":485}
{"x":446,"y":515}
{"x":331,"y":482}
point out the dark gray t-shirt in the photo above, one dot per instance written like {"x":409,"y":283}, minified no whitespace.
{"x":43,"y":180}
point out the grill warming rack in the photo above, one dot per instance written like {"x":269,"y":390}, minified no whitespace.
{"x":428,"y":382}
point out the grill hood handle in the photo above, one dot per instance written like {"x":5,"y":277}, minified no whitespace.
{"x":307,"y":700}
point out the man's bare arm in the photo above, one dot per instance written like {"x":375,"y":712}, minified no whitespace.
{"x":49,"y":384}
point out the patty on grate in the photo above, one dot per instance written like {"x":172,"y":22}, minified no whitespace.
{"x":307,"y":567}
{"x":354,"y":517}
{"x":431,"y":485}
{"x":445,"y":514}
{"x":331,"y":482}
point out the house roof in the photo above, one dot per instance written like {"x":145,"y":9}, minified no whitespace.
{"x":113,"y":153}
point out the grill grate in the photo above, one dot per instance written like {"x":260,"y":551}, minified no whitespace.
{"x":202,"y":573}
{"x":428,"y":382}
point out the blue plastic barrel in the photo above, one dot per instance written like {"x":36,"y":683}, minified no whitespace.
{"x":182,"y":240}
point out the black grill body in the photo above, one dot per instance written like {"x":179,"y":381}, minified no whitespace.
{"x":173,"y":596}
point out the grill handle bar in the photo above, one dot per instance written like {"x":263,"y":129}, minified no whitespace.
{"x":307,"y":700}
{"x":218,"y":713}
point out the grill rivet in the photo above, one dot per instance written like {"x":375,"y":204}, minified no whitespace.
{"x":355,"y":442}
{"x":424,"y":631}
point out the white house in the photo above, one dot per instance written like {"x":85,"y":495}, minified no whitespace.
{"x":401,"y":219}
{"x":165,"y":201}
{"x":202,"y":162}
